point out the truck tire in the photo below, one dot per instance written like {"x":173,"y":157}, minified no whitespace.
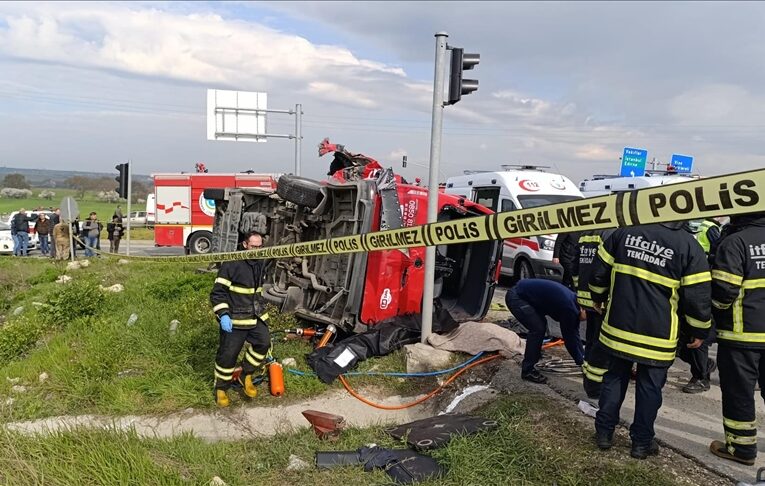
{"x":300,"y":190}
{"x":200,"y":243}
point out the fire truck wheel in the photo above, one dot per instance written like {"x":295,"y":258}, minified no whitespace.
{"x":299,"y":190}
{"x":200,"y":242}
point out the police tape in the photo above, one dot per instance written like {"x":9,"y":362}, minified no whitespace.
{"x":726,"y":195}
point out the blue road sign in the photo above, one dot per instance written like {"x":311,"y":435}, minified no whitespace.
{"x":682,"y":163}
{"x":633,"y":162}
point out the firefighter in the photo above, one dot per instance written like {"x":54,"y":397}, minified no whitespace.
{"x":648,"y":275}
{"x":595,"y":356}
{"x":241,"y":311}
{"x":702,"y":366}
{"x":738,"y":305}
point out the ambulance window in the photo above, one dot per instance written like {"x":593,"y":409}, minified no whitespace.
{"x":487,"y":196}
{"x":508,"y":205}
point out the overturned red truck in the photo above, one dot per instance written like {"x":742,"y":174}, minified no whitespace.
{"x":355,"y":291}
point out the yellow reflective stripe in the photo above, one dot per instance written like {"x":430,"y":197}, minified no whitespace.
{"x":576,"y":280}
{"x":674,"y":319}
{"x":720,"y":305}
{"x":597,"y":290}
{"x":223,"y":377}
{"x":255,"y":355}
{"x":593,"y":377}
{"x":697,"y":323}
{"x":242,"y":290}
{"x":220,"y":306}
{"x":252,"y":360}
{"x":647,"y":275}
{"x":259,"y":290}
{"x":737,"y":439}
{"x":224,"y":370}
{"x":244,"y":321}
{"x":745,"y":337}
{"x":735,"y":424}
{"x":583,"y":293}
{"x":696,"y":278}
{"x":223,"y":281}
{"x":264,"y":317}
{"x":593,"y":369}
{"x":585,"y":302}
{"x":738,"y":312}
{"x":639,"y":338}
{"x":637,"y":351}
{"x":590,"y":239}
{"x":757,"y":283}
{"x":605,"y":256}
{"x":727,"y":277}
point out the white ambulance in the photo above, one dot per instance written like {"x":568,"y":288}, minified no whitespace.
{"x":519,"y":187}
{"x":608,"y":184}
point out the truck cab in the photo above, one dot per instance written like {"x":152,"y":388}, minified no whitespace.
{"x":519,"y":187}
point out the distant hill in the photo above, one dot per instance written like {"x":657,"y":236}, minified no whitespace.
{"x":51,"y":178}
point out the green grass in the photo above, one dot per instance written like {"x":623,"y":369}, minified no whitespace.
{"x":535,"y":443}
{"x":88,"y":204}
{"x":97,"y":364}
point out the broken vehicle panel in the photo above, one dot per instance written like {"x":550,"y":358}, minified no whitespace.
{"x":354,"y":291}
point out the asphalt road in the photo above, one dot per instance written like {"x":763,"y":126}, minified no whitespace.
{"x":687,"y":423}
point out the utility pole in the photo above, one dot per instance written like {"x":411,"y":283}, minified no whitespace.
{"x":298,"y":136}
{"x":435,"y":159}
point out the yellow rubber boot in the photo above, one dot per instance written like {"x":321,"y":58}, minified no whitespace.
{"x":248,"y":387}
{"x":221,"y":398}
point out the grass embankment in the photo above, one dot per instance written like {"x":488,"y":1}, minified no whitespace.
{"x":536,"y":443}
{"x":96,"y":363}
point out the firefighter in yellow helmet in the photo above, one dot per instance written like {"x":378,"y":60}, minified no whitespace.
{"x":241,"y":311}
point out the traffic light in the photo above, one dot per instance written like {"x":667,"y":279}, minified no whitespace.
{"x":122,"y":179}
{"x":458,"y":86}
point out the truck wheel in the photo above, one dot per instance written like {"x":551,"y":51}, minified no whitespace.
{"x":523,"y":270}
{"x":300,"y":190}
{"x":200,"y":242}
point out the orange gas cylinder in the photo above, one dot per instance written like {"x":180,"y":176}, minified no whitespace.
{"x":276,"y":378}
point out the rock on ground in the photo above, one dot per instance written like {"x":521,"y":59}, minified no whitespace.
{"x":423,"y":358}
{"x":63,"y":279}
{"x":297,"y":464}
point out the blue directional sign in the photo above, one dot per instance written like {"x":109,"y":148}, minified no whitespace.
{"x":633,"y":162}
{"x":682,"y":163}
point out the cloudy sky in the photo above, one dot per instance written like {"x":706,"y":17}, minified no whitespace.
{"x":86,"y":85}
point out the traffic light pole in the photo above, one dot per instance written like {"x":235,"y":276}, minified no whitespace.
{"x":129,"y":197}
{"x":435,"y":160}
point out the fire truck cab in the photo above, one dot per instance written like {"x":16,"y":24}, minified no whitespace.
{"x":184,"y":217}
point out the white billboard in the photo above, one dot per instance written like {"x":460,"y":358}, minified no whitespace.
{"x":236,"y":115}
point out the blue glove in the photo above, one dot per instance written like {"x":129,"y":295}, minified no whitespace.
{"x":225,"y":323}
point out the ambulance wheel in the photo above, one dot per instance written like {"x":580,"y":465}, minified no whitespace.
{"x":523,"y":270}
{"x":200,"y":242}
{"x":299,"y":190}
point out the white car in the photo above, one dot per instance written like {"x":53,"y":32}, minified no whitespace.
{"x":6,"y":240}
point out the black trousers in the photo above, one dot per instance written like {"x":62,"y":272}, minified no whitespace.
{"x":535,"y":321}
{"x":740,"y":370}
{"x":650,"y":381}
{"x":596,"y":357}
{"x":698,"y":358}
{"x":230,"y":346}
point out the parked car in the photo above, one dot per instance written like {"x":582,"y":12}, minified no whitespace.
{"x":6,"y":240}
{"x":357,"y":290}
{"x":138,"y":218}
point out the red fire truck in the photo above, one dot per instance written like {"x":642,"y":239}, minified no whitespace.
{"x":184,"y":217}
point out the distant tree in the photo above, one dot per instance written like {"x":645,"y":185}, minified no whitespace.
{"x":108,"y":196}
{"x":13,"y":193}
{"x":46,"y":194}
{"x":80,"y":184}
{"x":17,"y":181}
{"x":139,"y":191}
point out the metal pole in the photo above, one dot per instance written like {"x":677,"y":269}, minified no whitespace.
{"x":298,"y":135}
{"x":71,"y":231}
{"x":435,"y":159}
{"x":129,"y":197}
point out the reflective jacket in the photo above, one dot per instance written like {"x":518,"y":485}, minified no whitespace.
{"x":738,"y":284}
{"x":586,"y":249}
{"x":709,"y":232}
{"x":237,"y":293}
{"x":652,"y":277}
